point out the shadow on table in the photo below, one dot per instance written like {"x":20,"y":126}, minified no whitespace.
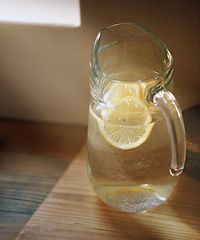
{"x":32,"y":158}
{"x":127,"y":225}
{"x":185,"y":201}
{"x":179,"y":216}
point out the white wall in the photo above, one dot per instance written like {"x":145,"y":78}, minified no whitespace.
{"x":44,"y":70}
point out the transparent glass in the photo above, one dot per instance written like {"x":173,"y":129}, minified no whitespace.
{"x":136,"y":135}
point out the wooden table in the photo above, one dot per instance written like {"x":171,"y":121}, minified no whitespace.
{"x":72,"y":211}
{"x":32,"y":158}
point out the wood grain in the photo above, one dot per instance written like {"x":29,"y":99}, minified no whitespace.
{"x":32,"y":158}
{"x":72,"y":211}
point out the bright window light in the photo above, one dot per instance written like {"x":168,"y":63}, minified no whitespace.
{"x":43,"y":12}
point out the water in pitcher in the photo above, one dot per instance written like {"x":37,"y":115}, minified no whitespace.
{"x":129,"y":153}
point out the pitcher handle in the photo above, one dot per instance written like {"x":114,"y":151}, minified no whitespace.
{"x":168,"y":105}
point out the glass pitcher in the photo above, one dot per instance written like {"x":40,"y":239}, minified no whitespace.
{"x":136,"y":135}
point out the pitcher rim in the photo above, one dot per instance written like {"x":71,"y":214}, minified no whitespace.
{"x":157,"y":76}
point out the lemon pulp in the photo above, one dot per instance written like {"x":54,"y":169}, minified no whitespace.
{"x":126,"y":121}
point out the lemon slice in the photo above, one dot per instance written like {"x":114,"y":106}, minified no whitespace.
{"x":118,"y":91}
{"x":126,"y":124}
{"x":125,"y":121}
